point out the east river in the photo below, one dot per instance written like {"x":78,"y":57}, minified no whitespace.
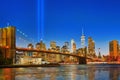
{"x":64,"y":72}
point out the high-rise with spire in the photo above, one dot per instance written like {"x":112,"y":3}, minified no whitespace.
{"x":83,"y":39}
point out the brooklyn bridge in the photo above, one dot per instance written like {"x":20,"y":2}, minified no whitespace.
{"x":18,"y":54}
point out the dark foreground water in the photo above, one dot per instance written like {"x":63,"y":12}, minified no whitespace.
{"x":66,"y":72}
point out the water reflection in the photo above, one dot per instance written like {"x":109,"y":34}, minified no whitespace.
{"x":7,"y":74}
{"x":68,"y":72}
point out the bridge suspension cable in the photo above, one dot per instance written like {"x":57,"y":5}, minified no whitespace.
{"x":22,"y":39}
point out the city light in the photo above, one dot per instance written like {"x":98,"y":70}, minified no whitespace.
{"x":45,"y":40}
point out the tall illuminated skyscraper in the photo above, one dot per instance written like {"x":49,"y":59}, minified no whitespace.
{"x":41,"y":46}
{"x":83,"y":39}
{"x":30,"y":46}
{"x":72,"y":41}
{"x":73,"y":46}
{"x":53,"y":45}
{"x":91,"y":46}
{"x":66,"y":44}
{"x":114,"y":48}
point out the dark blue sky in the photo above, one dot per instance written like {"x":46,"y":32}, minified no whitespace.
{"x":63,"y":20}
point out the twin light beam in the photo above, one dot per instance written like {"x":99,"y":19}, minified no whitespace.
{"x":40,"y":19}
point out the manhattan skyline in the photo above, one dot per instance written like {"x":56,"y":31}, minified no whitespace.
{"x":63,"y":20}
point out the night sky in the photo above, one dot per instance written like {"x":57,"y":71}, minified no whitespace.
{"x":63,"y":20}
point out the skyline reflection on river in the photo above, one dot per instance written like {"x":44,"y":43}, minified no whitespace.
{"x":66,"y":72}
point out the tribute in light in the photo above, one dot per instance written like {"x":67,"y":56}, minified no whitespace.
{"x":40,"y":19}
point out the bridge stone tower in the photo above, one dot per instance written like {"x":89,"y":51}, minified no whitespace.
{"x":8,"y":42}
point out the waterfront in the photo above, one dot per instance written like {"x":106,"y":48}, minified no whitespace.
{"x":64,"y":72}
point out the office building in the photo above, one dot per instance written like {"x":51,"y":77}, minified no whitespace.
{"x":67,"y":45}
{"x":30,"y":46}
{"x":91,"y":46}
{"x":42,"y":45}
{"x":73,"y":46}
{"x":53,"y":45}
{"x":114,"y":48}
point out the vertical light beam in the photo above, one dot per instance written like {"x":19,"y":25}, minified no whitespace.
{"x":40,"y":19}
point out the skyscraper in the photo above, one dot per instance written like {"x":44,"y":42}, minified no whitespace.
{"x":91,"y":46}
{"x":72,"y":41}
{"x":53,"y":45}
{"x":38,"y":46}
{"x":114,"y":48}
{"x":66,"y":44}
{"x":73,"y":46}
{"x":30,"y":46}
{"x":99,"y":54}
{"x":42,"y":45}
{"x":83,"y":39}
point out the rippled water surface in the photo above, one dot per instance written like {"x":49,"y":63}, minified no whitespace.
{"x":64,"y":72}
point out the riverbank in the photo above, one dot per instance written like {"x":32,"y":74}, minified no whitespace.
{"x":32,"y":65}
{"x":103,"y":62}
